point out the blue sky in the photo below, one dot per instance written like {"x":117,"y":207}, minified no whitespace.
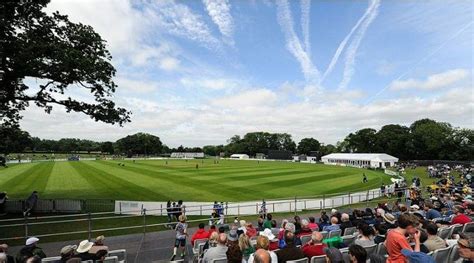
{"x":198,"y":72}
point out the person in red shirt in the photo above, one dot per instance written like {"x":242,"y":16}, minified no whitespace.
{"x":251,"y":231}
{"x":201,"y":233}
{"x":312,"y":223}
{"x":460,"y":217}
{"x":396,"y":240}
{"x":315,"y":247}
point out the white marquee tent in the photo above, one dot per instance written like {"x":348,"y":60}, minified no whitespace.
{"x":374,"y":160}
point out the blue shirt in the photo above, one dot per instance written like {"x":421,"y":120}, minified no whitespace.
{"x":432,"y":214}
{"x":331,"y":228}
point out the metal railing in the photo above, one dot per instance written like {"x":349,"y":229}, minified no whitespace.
{"x":83,"y":223}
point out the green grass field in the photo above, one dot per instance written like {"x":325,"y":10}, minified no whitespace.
{"x":154,"y":180}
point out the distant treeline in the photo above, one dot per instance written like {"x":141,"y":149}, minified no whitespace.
{"x":423,"y":140}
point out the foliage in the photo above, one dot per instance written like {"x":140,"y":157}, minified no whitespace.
{"x":308,"y":145}
{"x":59,"y":54}
{"x":139,"y":143}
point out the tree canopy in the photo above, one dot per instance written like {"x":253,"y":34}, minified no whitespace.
{"x":59,"y":54}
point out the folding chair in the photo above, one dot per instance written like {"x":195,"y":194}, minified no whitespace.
{"x":348,"y":240}
{"x":120,"y":253}
{"x":381,"y":250}
{"x":219,"y":260}
{"x":305,"y":239}
{"x":113,"y":259}
{"x":454,"y":254}
{"x":196,"y":244}
{"x":52,"y":260}
{"x":441,"y":255}
{"x":455,"y":229}
{"x":443,"y":232}
{"x":301,"y":260}
{"x":345,"y":255}
{"x":468,"y":227}
{"x":371,"y":249}
{"x":325,"y":234}
{"x":335,"y":233}
{"x":318,"y":259}
{"x":350,"y":231}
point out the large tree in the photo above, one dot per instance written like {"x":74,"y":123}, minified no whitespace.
{"x":396,"y":140}
{"x":60,"y":55}
{"x":139,"y":143}
{"x":308,"y":145}
{"x":430,"y":138}
{"x":13,"y":139}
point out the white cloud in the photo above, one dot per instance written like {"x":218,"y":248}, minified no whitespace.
{"x":210,"y":83}
{"x":351,"y":51}
{"x":435,"y":81}
{"x":305,"y":19}
{"x":169,"y":63}
{"x":219,"y":11}
{"x":294,"y":44}
{"x":249,"y":98}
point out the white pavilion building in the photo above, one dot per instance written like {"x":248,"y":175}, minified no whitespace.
{"x":374,"y":160}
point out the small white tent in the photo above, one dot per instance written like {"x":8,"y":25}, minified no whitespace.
{"x":239,"y":156}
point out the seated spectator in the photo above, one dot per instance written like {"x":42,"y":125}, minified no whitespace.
{"x":297,"y":224}
{"x":242,"y":229}
{"x":68,"y":255}
{"x":260,"y":226}
{"x":245,"y":247}
{"x":34,"y":259}
{"x":30,"y":250}
{"x":212,"y":242}
{"x":315,"y":247}
{"x":334,"y":225}
{"x":98,"y":245}
{"x":434,"y":241}
{"x":466,"y":247}
{"x":263,"y":244}
{"x":305,"y":230}
{"x":290,"y":252}
{"x":275,"y":229}
{"x":281,"y":233}
{"x":268,"y":222}
{"x":323,"y":220}
{"x":357,"y":217}
{"x":262,"y":256}
{"x":389,"y":221}
{"x":460,"y":217}
{"x":251,"y":231}
{"x":312,"y":224}
{"x":366,"y":236}
{"x":4,"y":250}
{"x":234,"y":254}
{"x":430,"y":212}
{"x":333,"y":255}
{"x":369,"y":217}
{"x":423,"y":238}
{"x":396,"y":240}
{"x":357,"y":254}
{"x":345,"y":222}
{"x":271,"y":237}
{"x":380,"y":232}
{"x":101,"y":255}
{"x":219,"y":251}
{"x":201,"y":233}
{"x":212,"y":229}
{"x":83,"y":250}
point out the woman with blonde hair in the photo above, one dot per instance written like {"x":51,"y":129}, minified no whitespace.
{"x":246,"y":248}
{"x":181,"y":234}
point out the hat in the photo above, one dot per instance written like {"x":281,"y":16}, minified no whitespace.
{"x":232,"y":236}
{"x":84,"y":246}
{"x":417,"y":257}
{"x":68,"y":249}
{"x":100,"y":238}
{"x":389,"y":218}
{"x":334,"y":254}
{"x":31,"y":241}
{"x":415,"y":207}
{"x":434,"y":198}
{"x":267,"y":233}
{"x":333,"y":211}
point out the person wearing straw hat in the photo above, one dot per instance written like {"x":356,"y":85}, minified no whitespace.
{"x":389,"y":220}
{"x":181,"y":234}
{"x":30,"y":250}
{"x":83,"y":250}
{"x":68,"y":254}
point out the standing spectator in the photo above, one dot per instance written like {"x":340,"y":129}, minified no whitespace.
{"x":219,"y":251}
{"x":434,"y":241}
{"x":4,"y":250}
{"x":181,"y":233}
{"x":334,"y":225}
{"x":201,"y":233}
{"x":3,"y":201}
{"x":315,"y":247}
{"x":357,"y":254}
{"x":460,"y":217}
{"x":245,"y":247}
{"x":30,"y":250}
{"x":312,"y":223}
{"x":396,"y":240}
{"x":169,"y":211}
{"x":290,"y":252}
{"x":30,"y":203}
{"x":234,"y":254}
{"x":262,"y":245}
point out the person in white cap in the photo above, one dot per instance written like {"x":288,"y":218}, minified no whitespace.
{"x":30,"y":250}
{"x":83,"y":250}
